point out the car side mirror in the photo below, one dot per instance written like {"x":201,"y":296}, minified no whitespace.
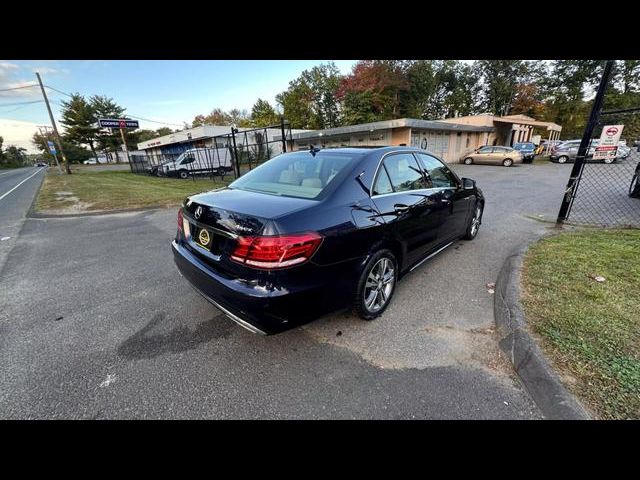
{"x":468,"y":184}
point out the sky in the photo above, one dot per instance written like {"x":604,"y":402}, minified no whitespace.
{"x":168,"y":91}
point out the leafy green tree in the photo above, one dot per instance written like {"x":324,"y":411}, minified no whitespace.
{"x":263,"y":114}
{"x":105,"y":107}
{"x":73,"y":152}
{"x":162,"y":131}
{"x":500,"y":80}
{"x":310,"y":101}
{"x":79,"y":118}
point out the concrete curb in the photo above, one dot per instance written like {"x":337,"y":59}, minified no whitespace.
{"x":542,"y":383}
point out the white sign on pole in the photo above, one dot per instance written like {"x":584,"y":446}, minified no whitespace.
{"x":608,"y":146}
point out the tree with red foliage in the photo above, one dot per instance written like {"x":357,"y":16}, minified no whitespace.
{"x":375,"y":90}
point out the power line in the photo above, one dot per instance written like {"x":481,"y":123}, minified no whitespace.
{"x":13,"y":104}
{"x":154,"y":121}
{"x":17,"y":108}
{"x":17,"y":88}
{"x":127,"y":115}
{"x":59,"y":91}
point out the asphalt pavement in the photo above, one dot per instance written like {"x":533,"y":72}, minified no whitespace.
{"x":18,"y":187}
{"x":96,"y":322}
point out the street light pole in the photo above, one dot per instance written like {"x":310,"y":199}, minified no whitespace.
{"x":53,"y":124}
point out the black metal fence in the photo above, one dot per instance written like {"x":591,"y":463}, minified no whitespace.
{"x":606,"y":194}
{"x":231,"y":154}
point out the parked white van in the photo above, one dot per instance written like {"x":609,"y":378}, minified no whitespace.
{"x":199,"y":161}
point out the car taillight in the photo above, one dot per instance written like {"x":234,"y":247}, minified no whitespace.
{"x":276,"y":251}
{"x":183,"y":225}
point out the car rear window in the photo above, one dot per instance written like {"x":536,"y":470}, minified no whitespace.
{"x":297,"y":174}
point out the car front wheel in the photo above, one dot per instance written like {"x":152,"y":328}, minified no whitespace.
{"x":563,"y":159}
{"x":468,"y":161}
{"x":184,"y":174}
{"x":474,"y":223}
{"x":376,"y":285}
{"x":507,"y":162}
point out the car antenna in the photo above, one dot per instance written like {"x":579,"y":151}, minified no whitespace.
{"x":313,"y":150}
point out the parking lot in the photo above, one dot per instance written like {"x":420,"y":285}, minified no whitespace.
{"x":97,"y":323}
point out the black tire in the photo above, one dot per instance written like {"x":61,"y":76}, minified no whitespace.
{"x":563,"y":159}
{"x":471,"y":232}
{"x":468,"y":161}
{"x":634,"y":188}
{"x":507,"y":162}
{"x":364,"y":292}
{"x":183,"y":174}
{"x":608,"y":161}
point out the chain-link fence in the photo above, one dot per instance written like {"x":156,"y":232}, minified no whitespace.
{"x":606,"y":194}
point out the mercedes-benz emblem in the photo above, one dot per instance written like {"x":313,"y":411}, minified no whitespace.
{"x":198,"y":212}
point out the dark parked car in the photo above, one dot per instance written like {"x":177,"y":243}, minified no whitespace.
{"x":527,"y":149}
{"x":311,"y":232}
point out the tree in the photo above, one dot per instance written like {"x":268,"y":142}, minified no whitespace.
{"x":310,"y":101}
{"x":297,"y":104}
{"x":73,"y":152}
{"x":375,"y":90}
{"x":500,"y":79}
{"x":527,"y":101}
{"x":162,"y":131}
{"x":15,"y":156}
{"x":105,"y":107}
{"x":79,"y":117}
{"x":263,"y":114}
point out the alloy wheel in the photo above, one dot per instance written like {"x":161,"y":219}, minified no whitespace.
{"x":475,"y":222}
{"x":379,"y":285}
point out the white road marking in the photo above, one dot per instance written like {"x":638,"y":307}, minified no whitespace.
{"x":110,"y":379}
{"x":4,"y":238}
{"x":5,"y":194}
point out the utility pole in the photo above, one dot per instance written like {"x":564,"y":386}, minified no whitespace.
{"x":124,"y":143}
{"x":578,"y":166}
{"x":53,"y":124}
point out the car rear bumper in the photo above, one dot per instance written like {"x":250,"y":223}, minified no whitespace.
{"x":263,"y":308}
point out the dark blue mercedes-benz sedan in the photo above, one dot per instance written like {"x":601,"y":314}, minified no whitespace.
{"x":310,"y":232}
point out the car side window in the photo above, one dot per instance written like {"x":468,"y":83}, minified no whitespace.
{"x":189,"y":159}
{"x":439,"y":173}
{"x":383,"y":184}
{"x":404,"y":172}
{"x":485,"y":150}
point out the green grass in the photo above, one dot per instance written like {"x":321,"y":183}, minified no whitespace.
{"x":590,"y":330}
{"x":86,"y":191}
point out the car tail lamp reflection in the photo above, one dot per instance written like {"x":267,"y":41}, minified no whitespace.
{"x":276,"y":251}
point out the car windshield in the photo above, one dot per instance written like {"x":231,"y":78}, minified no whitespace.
{"x":523,"y":146}
{"x":297,"y":174}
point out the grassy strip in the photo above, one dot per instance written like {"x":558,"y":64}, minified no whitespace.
{"x":86,"y":191}
{"x":589,"y":329}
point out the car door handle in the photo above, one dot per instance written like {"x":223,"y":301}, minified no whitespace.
{"x":401,"y":208}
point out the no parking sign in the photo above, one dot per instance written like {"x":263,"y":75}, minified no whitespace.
{"x":608,"y":146}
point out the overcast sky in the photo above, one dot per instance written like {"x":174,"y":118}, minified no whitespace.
{"x":170,"y":91}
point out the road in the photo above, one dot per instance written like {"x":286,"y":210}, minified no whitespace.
{"x":103,"y":326}
{"x":18,"y":188}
